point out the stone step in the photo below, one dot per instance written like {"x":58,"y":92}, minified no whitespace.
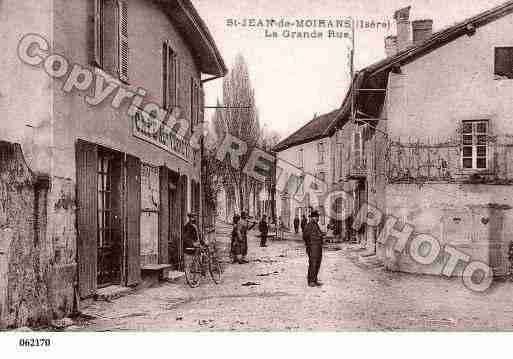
{"x":112,"y":292}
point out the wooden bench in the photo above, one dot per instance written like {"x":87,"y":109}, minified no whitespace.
{"x":153,"y":269}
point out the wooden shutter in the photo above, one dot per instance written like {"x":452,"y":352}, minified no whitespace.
{"x":171,"y":77}
{"x":87,"y":216}
{"x":177,"y":80}
{"x":123,"y":40}
{"x":133,"y":218}
{"x":98,"y":33}
{"x":110,"y":36}
{"x":193,"y":103}
{"x":201,"y":104}
{"x":164,"y":215}
{"x":165,"y":79}
{"x":183,"y":214}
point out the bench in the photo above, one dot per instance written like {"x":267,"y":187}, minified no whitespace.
{"x":153,"y":269}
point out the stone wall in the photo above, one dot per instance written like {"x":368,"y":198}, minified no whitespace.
{"x":36,"y":280}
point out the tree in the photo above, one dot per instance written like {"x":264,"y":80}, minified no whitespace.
{"x":240,"y":120}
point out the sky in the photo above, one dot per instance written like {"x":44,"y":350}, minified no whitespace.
{"x":294,"y":79}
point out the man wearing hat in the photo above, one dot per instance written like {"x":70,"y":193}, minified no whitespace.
{"x":312,"y":236}
{"x":191,"y":237}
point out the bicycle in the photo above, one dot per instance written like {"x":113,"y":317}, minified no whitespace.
{"x":196,"y":268}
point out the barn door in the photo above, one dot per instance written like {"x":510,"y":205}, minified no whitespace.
{"x":87,"y":220}
{"x":133,"y":218}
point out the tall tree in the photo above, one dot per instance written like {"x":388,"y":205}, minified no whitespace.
{"x":240,"y":120}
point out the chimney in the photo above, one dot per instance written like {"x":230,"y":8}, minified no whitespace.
{"x":402,"y":18}
{"x":422,"y":30}
{"x":390,"y":45}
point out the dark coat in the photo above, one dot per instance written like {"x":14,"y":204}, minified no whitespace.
{"x":190,"y":235}
{"x":312,"y":234}
{"x":296,"y":222}
{"x":263,"y":227}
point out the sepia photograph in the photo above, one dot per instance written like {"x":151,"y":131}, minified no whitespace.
{"x":265,"y":168}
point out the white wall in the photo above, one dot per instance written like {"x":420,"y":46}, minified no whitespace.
{"x":288,"y":162}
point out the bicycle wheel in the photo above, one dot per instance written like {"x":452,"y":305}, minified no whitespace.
{"x":193,"y":272}
{"x":215,"y":269}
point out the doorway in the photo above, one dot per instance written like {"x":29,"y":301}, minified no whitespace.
{"x":109,"y":229}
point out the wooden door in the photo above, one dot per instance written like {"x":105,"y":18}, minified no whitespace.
{"x":175,"y":220}
{"x":133,"y":220}
{"x":87,"y":212}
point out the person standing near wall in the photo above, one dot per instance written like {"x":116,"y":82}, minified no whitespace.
{"x":244,"y":228}
{"x":296,"y":224}
{"x":313,"y":242}
{"x":264,"y":229}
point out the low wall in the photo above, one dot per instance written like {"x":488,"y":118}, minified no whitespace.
{"x":473,"y":219}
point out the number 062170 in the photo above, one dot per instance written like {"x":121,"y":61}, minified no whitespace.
{"x":33,"y":342}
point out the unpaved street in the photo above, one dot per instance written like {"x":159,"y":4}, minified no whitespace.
{"x":270,"y":293}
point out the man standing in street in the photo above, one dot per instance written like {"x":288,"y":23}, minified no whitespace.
{"x":264,"y":229}
{"x":312,"y":236}
{"x":244,"y":228}
{"x":296,"y":224}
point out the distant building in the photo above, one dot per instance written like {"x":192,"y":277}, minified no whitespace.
{"x":307,"y":154}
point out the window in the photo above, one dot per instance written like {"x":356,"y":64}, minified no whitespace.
{"x":300,"y":158}
{"x":504,"y":62}
{"x":357,"y":147}
{"x":321,"y":151}
{"x":474,"y":145}
{"x":111,"y":50}
{"x":169,"y":77}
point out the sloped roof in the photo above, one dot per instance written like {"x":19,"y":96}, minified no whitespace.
{"x":196,"y":35}
{"x":410,"y":54}
{"x":313,"y":130}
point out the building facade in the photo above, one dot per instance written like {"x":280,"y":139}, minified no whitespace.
{"x":306,"y":170}
{"x":438,"y":128}
{"x":114,"y":179}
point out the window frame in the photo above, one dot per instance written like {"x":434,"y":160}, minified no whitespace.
{"x":474,"y":145}
{"x":169,"y":78}
{"x":300,"y":158}
{"x":498,"y":76}
{"x":321,"y":155}
{"x":358,"y":132}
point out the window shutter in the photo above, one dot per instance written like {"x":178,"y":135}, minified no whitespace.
{"x":123,"y":40}
{"x":201,"y":105}
{"x":171,"y":77}
{"x":87,"y":216}
{"x":164,"y":216}
{"x":178,"y":99}
{"x":165,"y":70}
{"x":110,"y":36}
{"x":193,"y":104}
{"x":133,"y":218}
{"x":98,"y":33}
